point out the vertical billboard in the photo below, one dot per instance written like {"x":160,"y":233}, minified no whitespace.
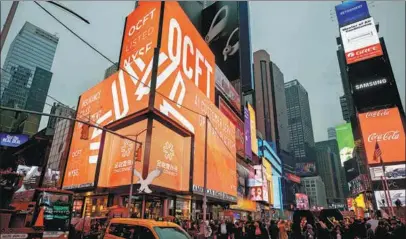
{"x":302,"y":201}
{"x":225,"y":28}
{"x":253,"y":126}
{"x":225,"y":87}
{"x":351,"y":11}
{"x":239,"y":126}
{"x":381,"y":199}
{"x":258,"y":185}
{"x":104,"y":103}
{"x":247,"y":134}
{"x":359,"y":184}
{"x":383,"y":127}
{"x":345,"y":142}
{"x":360,"y":41}
{"x":182,"y":47}
{"x":187,"y":65}
{"x":267,"y":171}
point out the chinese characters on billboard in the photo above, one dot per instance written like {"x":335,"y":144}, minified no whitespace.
{"x":385,"y":128}
{"x":345,"y":142}
{"x":359,"y":184}
{"x":239,"y":126}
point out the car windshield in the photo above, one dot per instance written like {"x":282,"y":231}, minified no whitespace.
{"x":171,"y":233}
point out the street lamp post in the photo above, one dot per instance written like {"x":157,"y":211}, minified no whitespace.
{"x":130,"y":196}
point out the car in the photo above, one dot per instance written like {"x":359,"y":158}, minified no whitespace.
{"x":131,"y":228}
{"x":397,"y":172}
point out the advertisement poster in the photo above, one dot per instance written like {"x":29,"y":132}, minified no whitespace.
{"x":247,"y":134}
{"x":351,"y":11}
{"x":225,"y":87}
{"x":350,"y":203}
{"x":258,"y":184}
{"x":239,"y":126}
{"x":359,"y":184}
{"x":31,"y":177}
{"x":360,"y":41}
{"x":12,"y":140}
{"x":267,"y":171}
{"x":302,"y":201}
{"x":182,"y":94}
{"x":359,"y":201}
{"x":305,"y":169}
{"x":220,"y":30}
{"x":243,"y":174}
{"x":385,"y":128}
{"x":293,"y":177}
{"x":254,"y":141}
{"x":345,"y":142}
{"x":394,"y":195}
{"x":391,"y":172}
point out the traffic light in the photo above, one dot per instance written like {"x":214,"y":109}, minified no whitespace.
{"x":84,"y":134}
{"x":138,"y":154}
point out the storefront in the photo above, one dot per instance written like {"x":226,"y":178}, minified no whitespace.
{"x":244,"y":209}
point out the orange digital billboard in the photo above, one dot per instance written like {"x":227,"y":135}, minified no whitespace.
{"x":385,"y":128}
{"x":169,"y":159}
{"x":182,"y":48}
{"x":104,"y":103}
{"x":189,"y":63}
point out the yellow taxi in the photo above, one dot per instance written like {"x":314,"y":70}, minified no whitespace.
{"x":131,"y":228}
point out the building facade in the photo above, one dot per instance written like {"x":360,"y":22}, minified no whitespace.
{"x":338,"y":172}
{"x":264,"y":96}
{"x":331,"y":133}
{"x":111,"y":70}
{"x":26,"y":77}
{"x":280,"y":108}
{"x":315,"y":190}
{"x":299,"y":120}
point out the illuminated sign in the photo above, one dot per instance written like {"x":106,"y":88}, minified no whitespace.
{"x":370,"y":84}
{"x":360,"y":41}
{"x":12,"y":140}
{"x":254,"y":142}
{"x":385,"y":128}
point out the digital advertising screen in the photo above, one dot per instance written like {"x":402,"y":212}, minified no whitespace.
{"x":254,"y":142}
{"x":247,"y":134}
{"x":305,"y":169}
{"x":351,"y":11}
{"x":302,"y":201}
{"x":359,"y":184}
{"x":391,"y":172}
{"x":12,"y":140}
{"x":239,"y":127}
{"x":360,"y":41}
{"x":383,"y":127}
{"x":345,"y":142}
{"x":394,"y":195}
{"x":187,"y":81}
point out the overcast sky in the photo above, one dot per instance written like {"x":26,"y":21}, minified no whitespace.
{"x":299,"y":36}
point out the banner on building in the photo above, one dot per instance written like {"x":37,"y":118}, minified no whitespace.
{"x":382,"y":200}
{"x":345,"y":142}
{"x":391,"y":172}
{"x":351,"y":11}
{"x":383,"y":129}
{"x":360,"y":41}
{"x":253,"y":125}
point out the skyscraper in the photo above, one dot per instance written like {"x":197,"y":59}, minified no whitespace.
{"x":316,"y":190}
{"x":278,"y":84}
{"x":264,"y":96}
{"x":331,"y":133}
{"x":299,"y":120}
{"x":338,"y":173}
{"x":111,"y":70}
{"x":26,"y":77}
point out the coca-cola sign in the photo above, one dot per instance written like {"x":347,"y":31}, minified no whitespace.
{"x":378,"y":113}
{"x":383,"y":128}
{"x":390,"y":135}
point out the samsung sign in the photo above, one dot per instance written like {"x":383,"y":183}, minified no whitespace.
{"x":351,"y":11}
{"x":370,"y":84}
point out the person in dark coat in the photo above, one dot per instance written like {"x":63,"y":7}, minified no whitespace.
{"x":273,"y":230}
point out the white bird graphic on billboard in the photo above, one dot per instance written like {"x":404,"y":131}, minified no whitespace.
{"x":144,"y":183}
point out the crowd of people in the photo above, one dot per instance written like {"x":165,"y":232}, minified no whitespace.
{"x":349,"y":228}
